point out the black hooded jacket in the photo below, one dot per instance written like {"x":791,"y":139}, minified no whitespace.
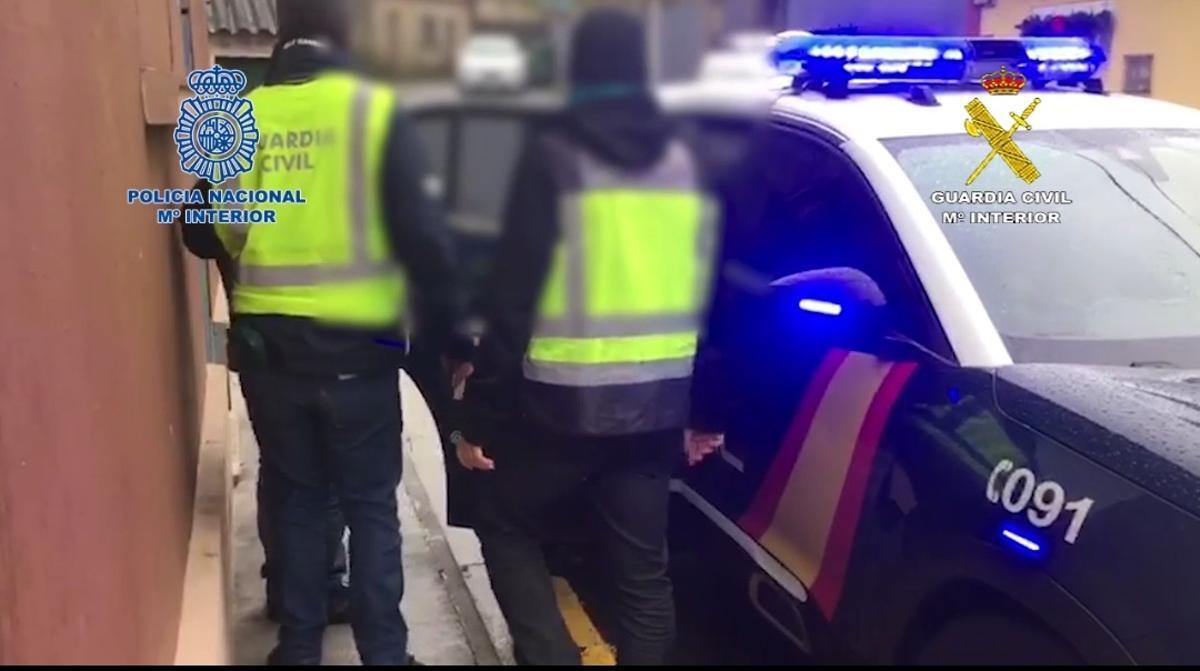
{"x":614,"y":118}
{"x":629,"y":132}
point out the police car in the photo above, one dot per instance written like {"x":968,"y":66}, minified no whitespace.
{"x":963,"y":422}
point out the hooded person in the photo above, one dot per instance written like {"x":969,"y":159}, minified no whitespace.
{"x":582,"y":378}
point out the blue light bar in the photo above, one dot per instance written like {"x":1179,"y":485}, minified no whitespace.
{"x":856,"y":57}
{"x":1060,"y":59}
{"x":841,"y":59}
{"x":1058,"y":49}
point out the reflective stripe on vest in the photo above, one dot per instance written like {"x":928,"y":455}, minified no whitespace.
{"x":361,"y":267}
{"x":355,"y":279}
{"x":626,"y":290}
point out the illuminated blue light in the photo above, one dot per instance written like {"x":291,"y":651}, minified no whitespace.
{"x":898,"y":54}
{"x":1066,"y":52}
{"x":386,"y":342}
{"x":820,"y":307}
{"x":842,"y":57}
{"x":1018,"y":540}
{"x":1063,"y":68}
{"x":954,"y":395}
{"x":881,"y":53}
{"x":1060,"y":58}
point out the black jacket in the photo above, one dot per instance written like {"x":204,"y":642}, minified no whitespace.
{"x":631,"y":133}
{"x":418,"y":234}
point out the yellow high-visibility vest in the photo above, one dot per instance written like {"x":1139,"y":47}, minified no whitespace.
{"x":619,"y":318}
{"x":329,"y":258}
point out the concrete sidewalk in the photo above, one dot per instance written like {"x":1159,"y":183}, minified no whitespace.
{"x":451,"y":613}
{"x":427,"y":467}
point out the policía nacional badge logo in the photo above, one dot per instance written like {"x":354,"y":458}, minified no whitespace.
{"x":982,"y":123}
{"x":217,"y":135}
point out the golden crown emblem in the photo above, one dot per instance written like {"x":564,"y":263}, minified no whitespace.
{"x":1004,"y":82}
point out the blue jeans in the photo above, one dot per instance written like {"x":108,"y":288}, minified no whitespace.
{"x":339,"y":564}
{"x":323,"y":437}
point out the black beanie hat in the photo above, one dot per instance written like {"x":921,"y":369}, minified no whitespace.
{"x":609,"y":48}
{"x":314,"y":19}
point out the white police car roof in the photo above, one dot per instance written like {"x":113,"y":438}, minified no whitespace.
{"x":752,"y":97}
{"x":878,"y":116}
{"x":882,"y":116}
{"x":875,"y":115}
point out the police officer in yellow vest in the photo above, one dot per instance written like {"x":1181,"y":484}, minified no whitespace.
{"x":203,"y":241}
{"x":317,"y":325}
{"x":582,"y":379}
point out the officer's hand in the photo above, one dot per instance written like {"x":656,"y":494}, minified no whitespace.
{"x":699,"y":445}
{"x":472,"y":457}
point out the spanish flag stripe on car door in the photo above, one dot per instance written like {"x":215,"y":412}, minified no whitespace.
{"x":758,"y":517}
{"x":807,"y":510}
{"x":827,"y":589}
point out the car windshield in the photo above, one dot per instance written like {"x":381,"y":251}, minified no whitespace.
{"x":492,"y":45}
{"x":1117,"y":280}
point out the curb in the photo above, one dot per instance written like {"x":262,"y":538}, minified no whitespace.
{"x":479,"y":640}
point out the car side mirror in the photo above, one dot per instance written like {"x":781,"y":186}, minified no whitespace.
{"x":836,"y":307}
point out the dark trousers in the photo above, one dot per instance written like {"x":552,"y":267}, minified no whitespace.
{"x":335,"y":546}
{"x":321,"y":438}
{"x":627,"y":480}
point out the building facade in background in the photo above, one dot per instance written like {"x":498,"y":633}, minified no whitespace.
{"x":1153,"y":48}
{"x":242,"y":35}
{"x":103,"y":334}
{"x":679,"y":32}
{"x":413,"y":38}
{"x":508,"y":12}
{"x":912,"y":17}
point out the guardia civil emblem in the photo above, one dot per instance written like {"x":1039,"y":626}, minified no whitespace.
{"x":217,"y":135}
{"x":1002,"y":142}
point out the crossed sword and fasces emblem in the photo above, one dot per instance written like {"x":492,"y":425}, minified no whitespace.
{"x":983,"y":123}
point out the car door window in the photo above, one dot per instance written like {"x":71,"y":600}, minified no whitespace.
{"x":435,"y":131}
{"x":475,"y":151}
{"x":818,"y":211}
{"x":802,"y":205}
{"x":719,"y":142}
{"x":800,"y":401}
{"x":489,"y":148}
